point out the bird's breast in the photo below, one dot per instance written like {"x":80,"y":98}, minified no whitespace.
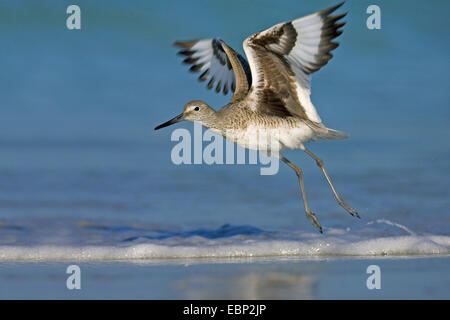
{"x":270,"y":136}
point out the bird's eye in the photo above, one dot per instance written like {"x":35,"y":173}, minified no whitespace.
{"x":196,"y":108}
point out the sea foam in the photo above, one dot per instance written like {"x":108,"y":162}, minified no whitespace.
{"x":238,"y":242}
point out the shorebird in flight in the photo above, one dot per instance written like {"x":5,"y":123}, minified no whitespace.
{"x":271,"y":92}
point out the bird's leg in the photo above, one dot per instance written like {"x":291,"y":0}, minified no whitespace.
{"x":336,"y":194}
{"x":309,"y":214}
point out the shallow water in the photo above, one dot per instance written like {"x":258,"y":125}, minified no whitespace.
{"x":83,"y":176}
{"x":249,"y":278}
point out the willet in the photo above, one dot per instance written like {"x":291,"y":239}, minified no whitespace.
{"x":271,"y":92}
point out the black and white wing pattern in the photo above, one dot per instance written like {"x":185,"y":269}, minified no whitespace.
{"x":208,"y":57}
{"x":282,"y":59}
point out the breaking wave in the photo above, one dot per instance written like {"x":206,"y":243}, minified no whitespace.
{"x":134,"y":243}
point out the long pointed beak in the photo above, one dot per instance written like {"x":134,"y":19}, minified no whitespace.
{"x":171,"y":121}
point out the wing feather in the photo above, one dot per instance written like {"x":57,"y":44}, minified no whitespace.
{"x":283,"y":57}
{"x":219,"y":65}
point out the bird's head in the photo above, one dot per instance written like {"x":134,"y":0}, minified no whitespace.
{"x":196,"y":111}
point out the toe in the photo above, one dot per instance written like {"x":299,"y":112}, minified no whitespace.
{"x":312,"y":218}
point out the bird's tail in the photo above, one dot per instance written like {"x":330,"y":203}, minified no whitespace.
{"x":322,"y":132}
{"x":334,"y":135}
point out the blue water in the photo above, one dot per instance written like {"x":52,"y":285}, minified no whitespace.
{"x":80,"y":164}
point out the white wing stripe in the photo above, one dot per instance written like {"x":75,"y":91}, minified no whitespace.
{"x":256,"y":77}
{"x":307,"y":49}
{"x":207,"y":55}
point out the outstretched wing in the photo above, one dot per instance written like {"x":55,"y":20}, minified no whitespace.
{"x":282,"y":59}
{"x":218,"y":64}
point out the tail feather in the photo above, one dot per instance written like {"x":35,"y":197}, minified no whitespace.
{"x":322,"y":132}
{"x":334,"y":135}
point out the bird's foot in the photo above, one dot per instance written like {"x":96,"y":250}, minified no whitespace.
{"x":349,"y":209}
{"x":312,"y":218}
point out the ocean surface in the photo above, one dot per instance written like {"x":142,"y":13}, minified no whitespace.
{"x":85,"y":178}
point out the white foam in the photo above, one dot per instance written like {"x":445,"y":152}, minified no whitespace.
{"x":319,"y":247}
{"x":370,"y":241}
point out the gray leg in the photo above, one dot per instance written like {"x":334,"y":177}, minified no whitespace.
{"x":309,"y":214}
{"x":336,"y":194}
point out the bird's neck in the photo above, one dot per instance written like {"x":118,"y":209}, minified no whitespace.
{"x":212,"y":123}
